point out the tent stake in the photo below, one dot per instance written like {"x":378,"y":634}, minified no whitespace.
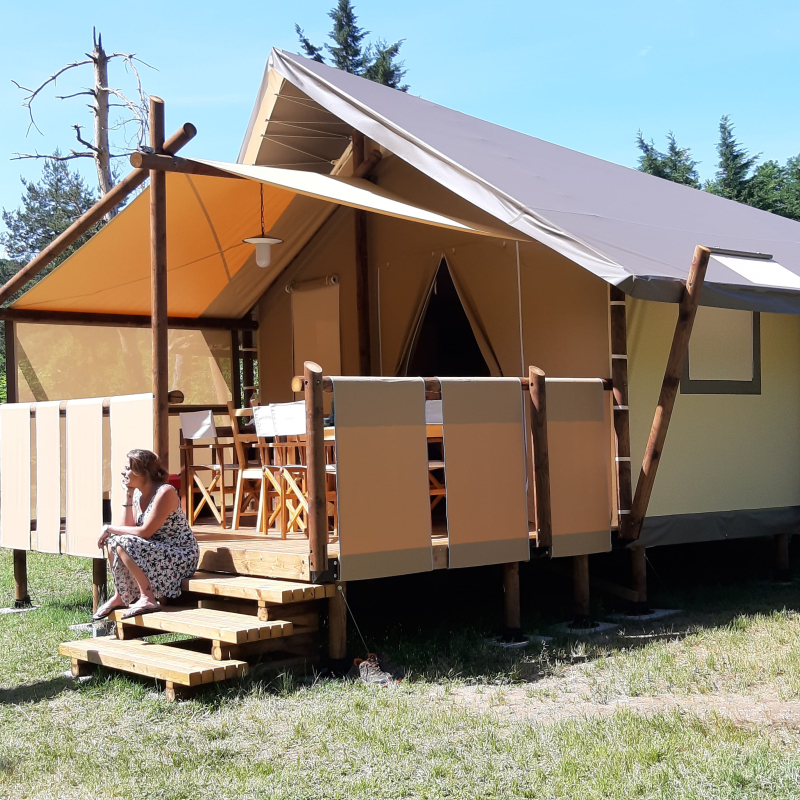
{"x":669,"y":388}
{"x":512,"y":617}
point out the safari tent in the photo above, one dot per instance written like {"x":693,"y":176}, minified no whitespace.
{"x":416,"y":242}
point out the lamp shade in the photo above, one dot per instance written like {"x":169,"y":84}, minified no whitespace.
{"x":263,"y":249}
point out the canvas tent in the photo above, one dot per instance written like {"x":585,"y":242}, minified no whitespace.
{"x":532,"y":234}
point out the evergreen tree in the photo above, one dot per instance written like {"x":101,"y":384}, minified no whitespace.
{"x":675,"y":165}
{"x":377,"y":62}
{"x":791,"y":188}
{"x":766,"y":188}
{"x":735,"y":164}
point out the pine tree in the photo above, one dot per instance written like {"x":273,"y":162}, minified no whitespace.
{"x":790,"y":193}
{"x":377,"y":61}
{"x":48,"y":208}
{"x":766,"y":188}
{"x":675,"y":165}
{"x":735,"y":164}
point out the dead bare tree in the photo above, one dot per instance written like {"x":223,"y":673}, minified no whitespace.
{"x":104,"y":98}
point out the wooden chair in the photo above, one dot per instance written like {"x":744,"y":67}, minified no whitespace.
{"x":199,"y":433}
{"x":249,"y":471}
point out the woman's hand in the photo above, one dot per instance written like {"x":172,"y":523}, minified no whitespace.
{"x":103,"y":538}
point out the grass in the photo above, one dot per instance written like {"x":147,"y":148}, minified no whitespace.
{"x":278,"y":737}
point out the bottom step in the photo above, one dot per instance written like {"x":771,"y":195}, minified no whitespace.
{"x":168,"y":663}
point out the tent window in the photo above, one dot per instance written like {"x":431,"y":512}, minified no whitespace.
{"x":724,"y":353}
{"x":446,"y":345}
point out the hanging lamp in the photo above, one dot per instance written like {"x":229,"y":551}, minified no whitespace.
{"x":263,"y":243}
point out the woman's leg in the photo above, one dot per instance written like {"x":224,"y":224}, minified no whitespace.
{"x":116,"y":600}
{"x":138,"y":575}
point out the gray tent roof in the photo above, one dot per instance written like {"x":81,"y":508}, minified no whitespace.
{"x":633,"y":230}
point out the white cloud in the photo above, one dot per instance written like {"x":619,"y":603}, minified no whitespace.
{"x":645,"y":51}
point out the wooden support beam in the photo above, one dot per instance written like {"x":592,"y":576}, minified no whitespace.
{"x":512,"y":617}
{"x":619,"y":380}
{"x":158,"y":287}
{"x":367,"y":164}
{"x":433,"y":387}
{"x":123,"y":320}
{"x":669,"y":389}
{"x":337,"y":629}
{"x":580,"y":592}
{"x":541,"y":457}
{"x":362,"y":269}
{"x":21,"y":597}
{"x":248,"y":371}
{"x":317,"y":491}
{"x":783,"y":571}
{"x":127,"y":185}
{"x":168,"y":163}
{"x":639,"y":576}
{"x":99,"y":582}
{"x":236,"y":378}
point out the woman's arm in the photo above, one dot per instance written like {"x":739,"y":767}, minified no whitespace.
{"x":125,"y":514}
{"x":165,"y":503}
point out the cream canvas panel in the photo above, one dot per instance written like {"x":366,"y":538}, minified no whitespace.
{"x":48,"y":477}
{"x":721,"y":347}
{"x":84,"y":476}
{"x":577,"y":441}
{"x":131,"y":418}
{"x":315,"y":329}
{"x":484,"y":468}
{"x":15,"y":475}
{"x":382,"y":477}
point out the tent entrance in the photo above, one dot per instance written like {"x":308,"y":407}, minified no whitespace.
{"x":445,"y":344}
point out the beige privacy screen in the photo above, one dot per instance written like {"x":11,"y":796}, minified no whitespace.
{"x":84,"y":476}
{"x":48,"y":477}
{"x":131,"y":419}
{"x":578,"y":438}
{"x":484,"y":464}
{"x":15,"y":475}
{"x":382,"y":477}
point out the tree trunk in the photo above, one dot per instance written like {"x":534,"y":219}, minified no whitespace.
{"x":102,"y":153}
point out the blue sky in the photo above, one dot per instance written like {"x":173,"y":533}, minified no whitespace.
{"x":585,"y":75}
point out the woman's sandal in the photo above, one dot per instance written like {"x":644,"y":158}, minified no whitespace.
{"x":137,"y":609}
{"x":101,"y":614}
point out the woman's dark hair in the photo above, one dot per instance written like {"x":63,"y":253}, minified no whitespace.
{"x":145,"y":462}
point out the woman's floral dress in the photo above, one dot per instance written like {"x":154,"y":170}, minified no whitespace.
{"x":167,"y":557}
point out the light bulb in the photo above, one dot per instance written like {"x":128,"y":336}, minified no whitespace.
{"x":263,"y":249}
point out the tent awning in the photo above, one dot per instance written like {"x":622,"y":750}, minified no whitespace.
{"x":210,"y":269}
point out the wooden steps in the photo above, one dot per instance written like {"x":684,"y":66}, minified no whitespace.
{"x":206,"y":623}
{"x":171,"y":664}
{"x":244,"y":587}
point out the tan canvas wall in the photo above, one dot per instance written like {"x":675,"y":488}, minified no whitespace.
{"x":332,"y":250}
{"x":723,"y":452}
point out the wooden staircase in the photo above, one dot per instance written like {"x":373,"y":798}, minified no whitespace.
{"x":232,"y":619}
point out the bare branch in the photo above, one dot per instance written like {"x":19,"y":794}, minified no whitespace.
{"x":73,"y":154}
{"x":77,"y":94}
{"x":33,"y":92}
{"x":130,"y":57}
{"x":77,"y":129}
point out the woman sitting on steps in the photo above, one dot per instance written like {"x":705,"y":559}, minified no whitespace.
{"x":153,"y":548}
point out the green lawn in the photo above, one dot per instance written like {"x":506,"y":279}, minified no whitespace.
{"x":470,"y":721}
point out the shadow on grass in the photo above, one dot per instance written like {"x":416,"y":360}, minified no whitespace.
{"x":34,"y":692}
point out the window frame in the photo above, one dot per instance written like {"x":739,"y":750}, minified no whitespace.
{"x":690,"y":386}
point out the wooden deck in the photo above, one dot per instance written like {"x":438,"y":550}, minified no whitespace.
{"x":246,"y":552}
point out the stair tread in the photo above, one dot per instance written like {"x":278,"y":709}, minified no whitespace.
{"x":208,"y":623}
{"x":253,"y":588}
{"x":154,"y":660}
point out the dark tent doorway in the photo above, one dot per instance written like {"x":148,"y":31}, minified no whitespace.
{"x":445,"y":345}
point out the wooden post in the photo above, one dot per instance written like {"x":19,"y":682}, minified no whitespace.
{"x":783,"y":572}
{"x":541,"y":459}
{"x":158,"y":286}
{"x":619,"y":382}
{"x":21,"y":598}
{"x":127,"y":185}
{"x":669,"y":389}
{"x":99,"y":584}
{"x":639,"y":576}
{"x":236,"y":381}
{"x":337,"y":629}
{"x":248,"y":373}
{"x":512,"y":618}
{"x":580,"y":592}
{"x":315,"y":449}
{"x":362,"y":270}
